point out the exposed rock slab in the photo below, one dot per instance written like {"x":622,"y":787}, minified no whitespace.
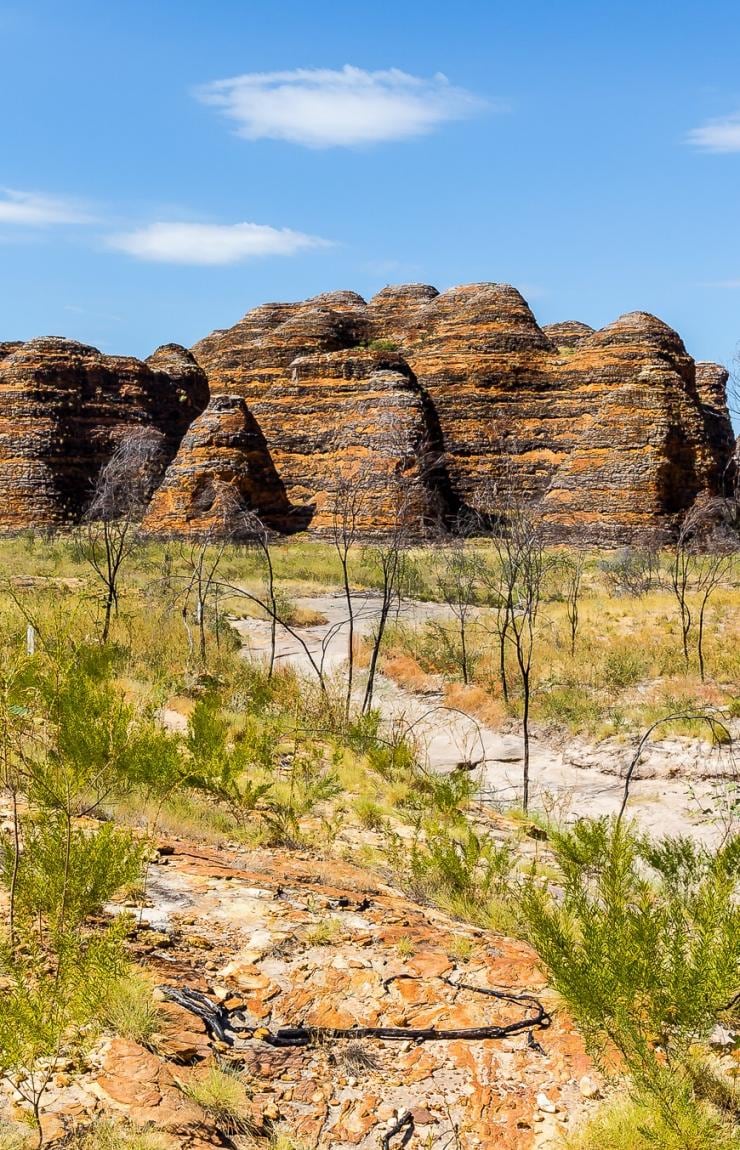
{"x":251,"y":940}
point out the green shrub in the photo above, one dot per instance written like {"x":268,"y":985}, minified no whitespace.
{"x":456,"y":869}
{"x":369,"y":813}
{"x":66,"y":874}
{"x":51,"y":999}
{"x":574,"y":705}
{"x":626,"y":1124}
{"x":643,"y":946}
{"x":382,"y":345}
{"x":110,"y":1135}
{"x":223,"y":765}
{"x":223,"y":1097}
{"x":623,"y":668}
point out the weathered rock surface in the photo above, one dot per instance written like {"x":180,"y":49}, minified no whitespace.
{"x":222,"y":470}
{"x":431,"y":404}
{"x":569,"y":333}
{"x":64,"y":405}
{"x":360,"y":420}
{"x":251,"y":931}
{"x":616,"y":430}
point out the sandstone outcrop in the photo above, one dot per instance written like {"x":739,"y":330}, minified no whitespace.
{"x":242,"y":930}
{"x":221,"y":471}
{"x":569,"y":333}
{"x":63,"y":407}
{"x":344,"y":425}
{"x":617,"y":431}
{"x":433,"y":404}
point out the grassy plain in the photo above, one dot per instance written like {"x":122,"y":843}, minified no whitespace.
{"x":153,"y":732}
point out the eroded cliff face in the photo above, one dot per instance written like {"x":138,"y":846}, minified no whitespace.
{"x":63,"y":407}
{"x":350,"y":425}
{"x":221,"y":473}
{"x":617,"y":431}
{"x":429,"y":404}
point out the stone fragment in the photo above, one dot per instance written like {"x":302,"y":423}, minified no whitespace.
{"x":589,"y":1088}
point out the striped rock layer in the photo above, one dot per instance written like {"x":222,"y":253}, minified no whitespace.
{"x":418,"y":406}
{"x":616,"y":431}
{"x":221,"y":472}
{"x":63,"y":408}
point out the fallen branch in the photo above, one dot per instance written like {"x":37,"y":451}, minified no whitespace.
{"x":227,"y":1025}
{"x":405,"y":1122}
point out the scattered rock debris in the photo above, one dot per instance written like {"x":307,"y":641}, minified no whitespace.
{"x":238,"y":930}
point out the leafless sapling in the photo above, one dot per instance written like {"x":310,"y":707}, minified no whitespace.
{"x":109,"y":532}
{"x":521,"y":561}
{"x":703,"y":558}
{"x":457,"y":586}
{"x":572,"y":566}
{"x":348,"y":506}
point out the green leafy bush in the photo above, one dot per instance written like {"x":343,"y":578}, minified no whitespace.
{"x":130,"y":1009}
{"x":643,"y":945}
{"x":453,"y":867}
{"x":66,"y":874}
{"x":50,"y":1000}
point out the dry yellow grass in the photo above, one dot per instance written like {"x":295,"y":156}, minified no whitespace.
{"x":405,"y":671}
{"x":476,"y":700}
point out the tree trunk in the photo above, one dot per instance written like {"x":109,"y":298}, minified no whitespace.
{"x":502,"y":665}
{"x":700,"y":641}
{"x":368,"y":700}
{"x":525,"y":731}
{"x":107,"y":616}
{"x":16,"y":865}
{"x":350,"y":638}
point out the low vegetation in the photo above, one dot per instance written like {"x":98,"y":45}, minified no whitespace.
{"x":643,"y":946}
{"x":117,"y":723}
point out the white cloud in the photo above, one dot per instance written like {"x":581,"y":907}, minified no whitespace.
{"x":30,"y":209}
{"x":322,"y":108}
{"x":721,"y":135}
{"x":214,"y":244}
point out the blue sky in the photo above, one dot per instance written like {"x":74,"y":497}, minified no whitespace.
{"x":167,"y":165}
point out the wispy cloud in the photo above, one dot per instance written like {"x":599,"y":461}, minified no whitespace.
{"x":214,"y":244}
{"x":32,"y":209}
{"x":322,"y":108}
{"x":104,"y":315}
{"x":722,"y":285}
{"x":721,"y":135}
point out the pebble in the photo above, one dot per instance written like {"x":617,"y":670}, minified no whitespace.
{"x":589,"y":1088}
{"x":545,"y":1105}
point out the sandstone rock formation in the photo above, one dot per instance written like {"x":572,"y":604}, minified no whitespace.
{"x":222,"y":470}
{"x":569,"y":333}
{"x":242,"y":929}
{"x":432,"y":404}
{"x":64,"y":405}
{"x":616,"y":431}
{"x":356,"y":421}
